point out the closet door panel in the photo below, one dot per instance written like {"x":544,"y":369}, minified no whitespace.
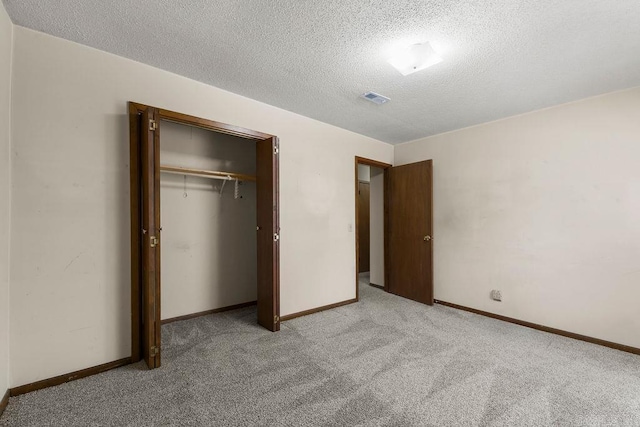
{"x":150,"y":238}
{"x":268,"y":233}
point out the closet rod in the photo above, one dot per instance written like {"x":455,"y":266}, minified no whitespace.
{"x":207,"y":174}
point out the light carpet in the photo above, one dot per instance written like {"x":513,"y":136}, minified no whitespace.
{"x":385,"y":361}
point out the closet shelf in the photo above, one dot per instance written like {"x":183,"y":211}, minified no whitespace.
{"x":207,"y":174}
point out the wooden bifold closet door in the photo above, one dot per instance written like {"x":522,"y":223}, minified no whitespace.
{"x":145,"y":224}
{"x":268,"y":233}
{"x":150,"y":155}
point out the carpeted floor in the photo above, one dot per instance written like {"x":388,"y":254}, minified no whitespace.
{"x":384,"y":361}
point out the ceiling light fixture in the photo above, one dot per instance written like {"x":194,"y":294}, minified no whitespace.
{"x":414,"y":58}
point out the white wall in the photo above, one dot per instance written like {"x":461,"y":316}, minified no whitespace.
{"x":364,"y":173}
{"x":70,"y":268}
{"x":544,"y":207}
{"x":6,"y":43}
{"x":208,"y":242}
{"x":376,"y":218}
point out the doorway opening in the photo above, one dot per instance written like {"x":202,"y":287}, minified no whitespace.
{"x":403,"y":258}
{"x":260,"y":167}
{"x":370,"y":181}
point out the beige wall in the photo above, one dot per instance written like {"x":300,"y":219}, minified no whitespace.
{"x":545,"y":208}
{"x":208,"y":240}
{"x":376,"y":191}
{"x":70,"y":267}
{"x":6,"y":43}
{"x":374,"y":176}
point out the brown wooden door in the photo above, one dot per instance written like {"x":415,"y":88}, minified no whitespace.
{"x":268,"y":233}
{"x":150,"y":237}
{"x":410,"y":231}
{"x":364,"y":227}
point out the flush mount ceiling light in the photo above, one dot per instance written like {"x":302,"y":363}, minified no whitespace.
{"x":414,"y":58}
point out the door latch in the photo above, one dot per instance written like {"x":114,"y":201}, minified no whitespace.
{"x":153,"y":240}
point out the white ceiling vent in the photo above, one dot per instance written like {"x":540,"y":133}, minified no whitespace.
{"x":376,"y":98}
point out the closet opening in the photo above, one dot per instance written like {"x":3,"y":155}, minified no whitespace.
{"x":199,"y":191}
{"x":208,"y":213}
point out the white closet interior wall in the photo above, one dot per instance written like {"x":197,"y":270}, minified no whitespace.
{"x":208,"y":241}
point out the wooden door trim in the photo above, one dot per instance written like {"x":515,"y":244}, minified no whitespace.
{"x":374,"y":163}
{"x":71,"y":376}
{"x":385,"y":168}
{"x":317,"y":309}
{"x":186,"y":119}
{"x":276,"y":219}
{"x":135,"y":178}
{"x":4,"y":402}
{"x":208,"y":312}
{"x":135,"y":171}
{"x":573,"y":335}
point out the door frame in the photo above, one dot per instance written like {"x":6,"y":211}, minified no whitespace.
{"x":135,"y":169}
{"x":385,"y":169}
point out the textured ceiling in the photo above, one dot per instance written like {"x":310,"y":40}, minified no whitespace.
{"x":501,"y":57}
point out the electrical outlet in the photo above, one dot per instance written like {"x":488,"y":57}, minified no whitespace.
{"x":496,"y":295}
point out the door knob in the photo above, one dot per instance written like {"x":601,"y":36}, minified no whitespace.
{"x":427,"y":238}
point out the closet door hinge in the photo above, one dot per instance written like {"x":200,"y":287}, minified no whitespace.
{"x":154,"y":351}
{"x":276,"y":237}
{"x":153,"y":125}
{"x":276,"y":319}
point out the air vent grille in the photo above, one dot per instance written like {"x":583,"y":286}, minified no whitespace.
{"x":376,"y":98}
